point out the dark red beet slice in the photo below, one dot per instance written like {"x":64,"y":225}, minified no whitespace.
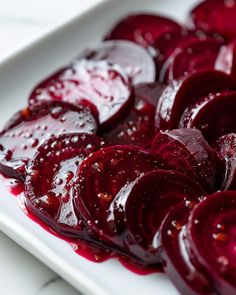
{"x":226,"y":60}
{"x":143,"y":29}
{"x":211,"y":240}
{"x":215,"y":16}
{"x":214,"y":115}
{"x":191,"y":57}
{"x":226,"y":147}
{"x":143,"y":206}
{"x":138,"y":127}
{"x":150,"y":92}
{"x":49,"y":178}
{"x":133,"y":59}
{"x":177,"y":265}
{"x":186,"y":151}
{"x":104,"y":85}
{"x":183,"y":93}
{"x":166,"y":44}
{"x":101,"y":177}
{"x":31,"y":126}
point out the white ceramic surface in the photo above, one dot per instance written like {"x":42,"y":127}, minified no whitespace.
{"x":18,"y":74}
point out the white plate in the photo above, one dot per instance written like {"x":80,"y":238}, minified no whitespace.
{"x":18,"y":74}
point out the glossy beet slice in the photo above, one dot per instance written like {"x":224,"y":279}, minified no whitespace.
{"x":143,"y":29}
{"x":143,"y":206}
{"x":133,"y":59}
{"x":193,"y":56}
{"x":183,"y":93}
{"x":48,"y":182}
{"x":30,"y":127}
{"x":177,"y":265}
{"x":226,"y":60}
{"x":150,"y":92}
{"x":99,"y":83}
{"x":101,"y":177}
{"x":186,"y":151}
{"x":167,"y":43}
{"x":214,"y":16}
{"x":213,"y":115}
{"x":226,"y":147}
{"x":138,"y":127}
{"x":211,"y":240}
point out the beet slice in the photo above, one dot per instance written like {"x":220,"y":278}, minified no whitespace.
{"x":226,"y":60}
{"x":214,"y":16}
{"x":186,"y":151}
{"x":191,"y":57}
{"x":142,"y":207}
{"x":211,"y":240}
{"x":133,"y":59}
{"x":226,"y":147}
{"x":104,"y":85}
{"x":150,"y":92}
{"x":214,"y":115}
{"x":30,"y":127}
{"x":143,"y":29}
{"x":48,"y":182}
{"x":183,"y":93}
{"x":101,"y":177}
{"x":167,"y":43}
{"x":176,"y":261}
{"x":138,"y":127}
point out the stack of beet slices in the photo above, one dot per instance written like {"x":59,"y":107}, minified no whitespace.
{"x":130,"y":151}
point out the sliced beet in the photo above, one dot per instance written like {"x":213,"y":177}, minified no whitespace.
{"x":133,"y":59}
{"x":104,"y":85}
{"x":226,"y":147}
{"x":30,"y":127}
{"x":137,"y":128}
{"x":177,"y":265}
{"x":101,"y":177}
{"x":214,"y":115}
{"x":143,"y":29}
{"x":186,"y":151}
{"x":167,"y":43}
{"x":226,"y":60}
{"x":214,"y":16}
{"x":183,"y":93}
{"x":191,"y":57}
{"x":49,"y":178}
{"x":150,"y":92}
{"x":211,"y":240}
{"x":143,"y":206}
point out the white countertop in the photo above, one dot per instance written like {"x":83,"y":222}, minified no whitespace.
{"x":21,"y":21}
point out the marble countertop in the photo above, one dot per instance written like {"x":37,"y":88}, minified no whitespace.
{"x":21,"y":21}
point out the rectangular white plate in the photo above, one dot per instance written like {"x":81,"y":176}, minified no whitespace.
{"x":18,"y":74}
